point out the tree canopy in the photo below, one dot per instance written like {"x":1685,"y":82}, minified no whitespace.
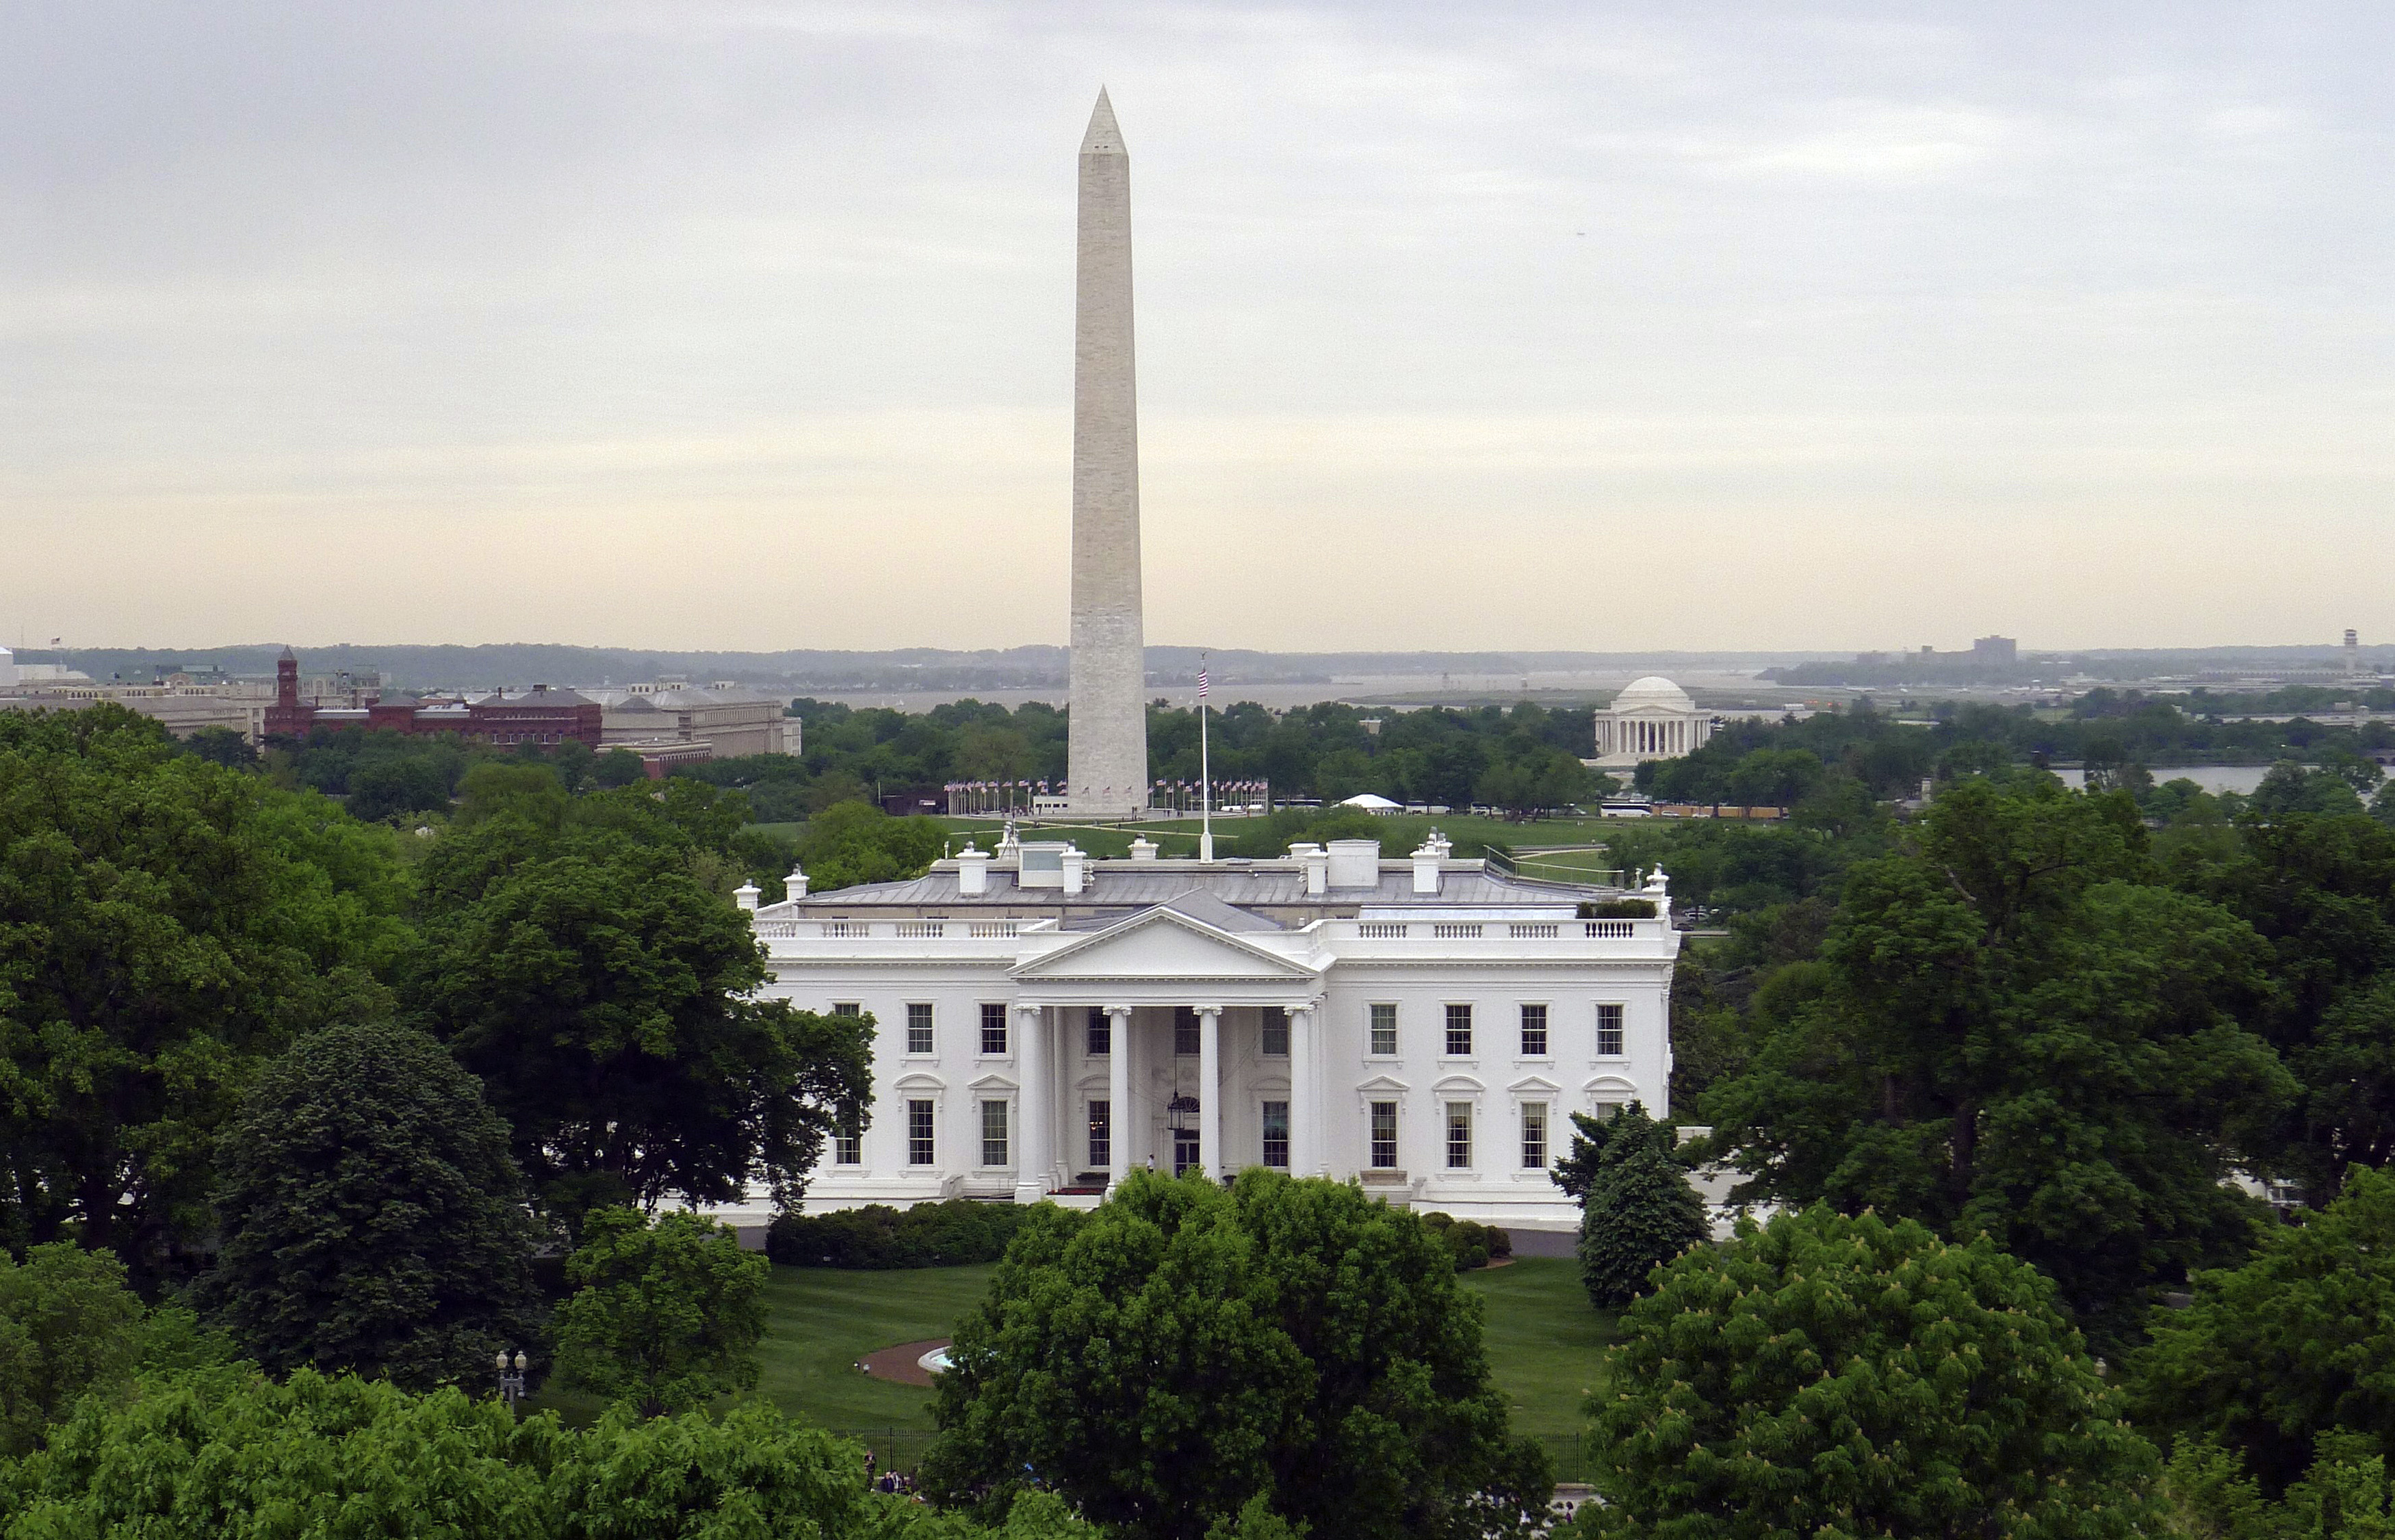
{"x":69,"y":1328}
{"x":371,"y":1218}
{"x":1846,"y":1377}
{"x":166,"y":925}
{"x":577,"y":961}
{"x":665,"y":1317}
{"x":1185,"y":1349}
{"x":2020,"y":1030}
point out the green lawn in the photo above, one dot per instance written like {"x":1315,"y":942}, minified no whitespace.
{"x":1544,"y":1344}
{"x":822,"y":1320}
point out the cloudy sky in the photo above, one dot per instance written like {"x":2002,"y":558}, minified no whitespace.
{"x":1584,"y":326}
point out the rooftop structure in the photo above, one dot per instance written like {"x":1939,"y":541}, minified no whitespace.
{"x":1652,"y":719}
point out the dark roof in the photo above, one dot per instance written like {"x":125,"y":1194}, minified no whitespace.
{"x":1124,"y":887}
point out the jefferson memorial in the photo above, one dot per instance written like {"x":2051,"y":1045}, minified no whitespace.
{"x":1046,"y":1021}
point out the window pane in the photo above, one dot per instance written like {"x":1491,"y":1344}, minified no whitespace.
{"x":1534,"y":1032}
{"x":993,"y":1029}
{"x":993,"y":1133}
{"x":1385,"y":1030}
{"x":1276,"y":1134}
{"x":1534,"y":1136}
{"x":1102,"y":1144}
{"x":1459,"y":1135}
{"x":848,"y":1138}
{"x":1608,"y":1032}
{"x":919,"y":1133}
{"x":847,"y":1008}
{"x":1276,"y":1032}
{"x":1384,"y":1136}
{"x":1184,"y":1031}
{"x":918,"y":1029}
{"x":1459,"y":1030}
{"x":1101,"y":1029}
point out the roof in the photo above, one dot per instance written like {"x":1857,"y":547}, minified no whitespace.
{"x":1120,"y":887}
{"x":1653,"y":691}
{"x":1374,"y":801}
{"x":551,"y":696}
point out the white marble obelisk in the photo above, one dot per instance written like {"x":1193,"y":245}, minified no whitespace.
{"x":1107,"y":745}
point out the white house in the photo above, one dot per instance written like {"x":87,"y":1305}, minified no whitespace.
{"x":1652,"y":719}
{"x":1046,"y":1021}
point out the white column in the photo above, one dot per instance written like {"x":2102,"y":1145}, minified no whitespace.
{"x":1305,"y":1141}
{"x":1034,"y":1154}
{"x":1209,"y":1091}
{"x":1117,"y":1095}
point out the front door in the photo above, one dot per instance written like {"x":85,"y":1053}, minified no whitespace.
{"x":1184,"y":1152}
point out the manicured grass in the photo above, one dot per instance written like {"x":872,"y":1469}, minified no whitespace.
{"x":1545,"y":1345}
{"x":820,"y":1321}
{"x":1546,"y":1350}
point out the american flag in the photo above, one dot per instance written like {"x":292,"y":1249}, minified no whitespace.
{"x":1201,"y":682}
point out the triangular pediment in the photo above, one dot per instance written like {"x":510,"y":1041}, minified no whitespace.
{"x":1160,"y":943}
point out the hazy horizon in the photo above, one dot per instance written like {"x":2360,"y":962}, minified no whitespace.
{"x":1617,"y":328}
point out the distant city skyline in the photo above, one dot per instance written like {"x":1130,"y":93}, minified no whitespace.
{"x":1617,"y":328}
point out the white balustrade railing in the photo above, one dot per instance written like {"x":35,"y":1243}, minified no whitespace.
{"x":1536,"y":932}
{"x":1380,"y":931}
{"x":1610,"y":930}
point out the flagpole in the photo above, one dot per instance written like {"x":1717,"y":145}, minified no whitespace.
{"x":1205,"y":783}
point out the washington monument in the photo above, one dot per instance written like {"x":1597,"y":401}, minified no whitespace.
{"x":1107,"y":743}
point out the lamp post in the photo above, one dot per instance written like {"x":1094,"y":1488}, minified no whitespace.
{"x":511,"y":1382}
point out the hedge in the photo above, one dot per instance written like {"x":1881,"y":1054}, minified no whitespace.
{"x":879,"y":1237}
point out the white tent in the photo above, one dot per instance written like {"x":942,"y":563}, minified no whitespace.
{"x":1371,"y":804}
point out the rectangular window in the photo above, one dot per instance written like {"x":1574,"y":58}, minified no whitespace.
{"x":1276,"y":1134}
{"x":993,"y":1029}
{"x":1459,"y":1032}
{"x":1534,"y":1032}
{"x":1458,"y":1135}
{"x":1184,"y":1031}
{"x":1534,"y":1136}
{"x":1608,"y":1032}
{"x":1385,"y":1030}
{"x":1276,"y":1032}
{"x":918,"y":1029}
{"x":993,"y":1133}
{"x":1384,"y":1136}
{"x":1102,"y":1033}
{"x":848,"y":1136}
{"x":919,"y":1146}
{"x":847,"y":1008}
{"x":1102,"y":1142}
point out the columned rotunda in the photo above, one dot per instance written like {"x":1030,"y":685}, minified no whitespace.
{"x":1652,"y":719}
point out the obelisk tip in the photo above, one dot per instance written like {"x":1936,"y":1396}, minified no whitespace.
{"x":1103,"y":138}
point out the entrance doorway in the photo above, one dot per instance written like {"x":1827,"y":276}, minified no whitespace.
{"x":1184,"y":1152}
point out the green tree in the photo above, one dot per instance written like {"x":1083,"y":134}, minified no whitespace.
{"x":166,"y":925}
{"x":2296,"y":1344}
{"x":230,"y":1453}
{"x":386,"y":788}
{"x":665,"y":1317}
{"x":855,"y":842}
{"x":1184,"y":1350}
{"x":605,"y":996}
{"x":1638,"y":1210}
{"x":69,"y":1326}
{"x":618,"y":767}
{"x":2019,"y":1032}
{"x":1825,"y":1376}
{"x":371,"y":1216}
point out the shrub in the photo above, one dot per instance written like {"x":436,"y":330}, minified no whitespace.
{"x":877,"y":1237}
{"x":1619,"y":909}
{"x":1475,"y":1244}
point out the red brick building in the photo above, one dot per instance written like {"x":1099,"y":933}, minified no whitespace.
{"x":540,"y":714}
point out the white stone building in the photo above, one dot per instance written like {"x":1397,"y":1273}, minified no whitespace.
{"x":1652,"y":719}
{"x":1047,"y":1021}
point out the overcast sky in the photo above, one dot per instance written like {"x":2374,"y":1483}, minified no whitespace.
{"x":1583,"y":325}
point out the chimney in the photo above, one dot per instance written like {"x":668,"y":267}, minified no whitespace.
{"x":972,"y":872}
{"x":1354,"y":863}
{"x":1315,"y":861}
{"x":1143,"y":848}
{"x":1076,"y":872}
{"x":795,"y":885}
{"x":746,"y":896}
{"x":1426,"y":867}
